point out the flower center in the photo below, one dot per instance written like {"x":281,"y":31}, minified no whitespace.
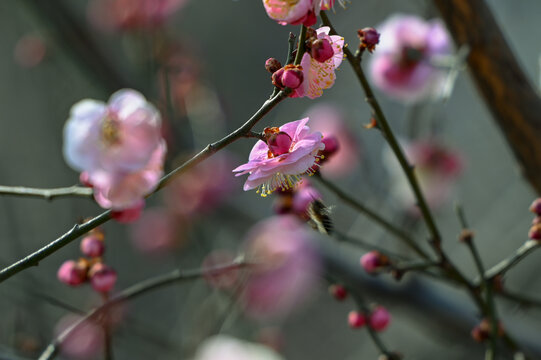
{"x":110,"y":133}
{"x":411,"y":55}
{"x":278,"y":141}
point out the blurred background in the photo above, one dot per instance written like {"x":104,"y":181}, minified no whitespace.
{"x":208,"y":57}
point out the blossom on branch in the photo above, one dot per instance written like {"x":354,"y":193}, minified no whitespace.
{"x":404,"y":66}
{"x":318,"y":75}
{"x":289,"y":152}
{"x":118,"y":146}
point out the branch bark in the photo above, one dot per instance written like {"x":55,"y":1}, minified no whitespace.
{"x":505,"y":88}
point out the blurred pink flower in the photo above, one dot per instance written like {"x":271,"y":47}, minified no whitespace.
{"x":329,"y":120}
{"x":292,"y":152}
{"x":380,"y":318}
{"x":302,"y":197}
{"x":30,"y":50}
{"x":85,"y":342}
{"x":226,"y":279}
{"x":223,"y":347}
{"x":118,"y":146}
{"x":156,"y":231}
{"x":319,"y":76}
{"x":286,"y":267}
{"x":72,"y":273}
{"x":403,"y":64}
{"x":131,"y":14}
{"x":129,"y":215}
{"x":102,"y":277}
{"x":291,"y":12}
{"x":436,"y":167}
{"x":202,"y":188}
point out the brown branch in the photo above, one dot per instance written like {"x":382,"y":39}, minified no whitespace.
{"x":509,"y":95}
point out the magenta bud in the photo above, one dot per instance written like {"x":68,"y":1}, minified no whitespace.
{"x":102,"y":277}
{"x":356,"y":319}
{"x":92,"y":246}
{"x":321,"y":50}
{"x":331,"y":145}
{"x":380,"y":318}
{"x":535,"y":232}
{"x":279,"y":143}
{"x":339,"y":292}
{"x":292,"y":77}
{"x":536,"y":206}
{"x":277,"y":78}
{"x":369,"y":38}
{"x":71,"y":273}
{"x":272,"y":65}
{"x":371,"y":261}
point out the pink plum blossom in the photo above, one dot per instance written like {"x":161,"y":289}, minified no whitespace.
{"x":130,"y":214}
{"x":155,"y":232}
{"x":131,"y":14}
{"x":295,"y":12}
{"x":436,"y":167}
{"x":403,"y":64}
{"x":224,"y":347}
{"x":118,"y":146}
{"x":84,"y":342}
{"x":329,"y":120}
{"x":319,"y":76}
{"x":286,"y":267}
{"x":291,"y":152}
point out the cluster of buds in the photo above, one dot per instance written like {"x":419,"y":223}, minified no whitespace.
{"x":368,"y":38}
{"x":535,"y":230}
{"x":289,"y":76}
{"x":483,"y":331}
{"x":373,"y":261}
{"x":378,"y":319}
{"x":90,"y":267}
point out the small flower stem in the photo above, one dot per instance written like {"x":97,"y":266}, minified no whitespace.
{"x":300,"y":46}
{"x":486,"y":285}
{"x":291,"y":49}
{"x":372,"y":215}
{"x":506,"y":264}
{"x":384,"y":126}
{"x":47,"y":194}
{"x":137,"y":290}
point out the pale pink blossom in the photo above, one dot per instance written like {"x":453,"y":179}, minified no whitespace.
{"x":131,"y":14}
{"x":224,"y":347}
{"x":117,"y":146}
{"x":286,"y":267}
{"x":156,"y":231}
{"x":84,"y":342}
{"x":403,"y":66}
{"x":202,"y":188}
{"x":329,"y":120}
{"x":296,"y":12}
{"x":281,"y":164}
{"x":319,"y":76}
{"x":436,"y":168}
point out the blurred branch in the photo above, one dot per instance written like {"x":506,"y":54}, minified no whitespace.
{"x":47,"y":194}
{"x":371,"y":215}
{"x":75,"y":39}
{"x":507,"y":91}
{"x":137,"y":290}
{"x":506,"y":264}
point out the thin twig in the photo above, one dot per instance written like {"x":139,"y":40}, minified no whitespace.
{"x":505,"y":265}
{"x":47,"y":194}
{"x":384,"y":126}
{"x":137,"y":290}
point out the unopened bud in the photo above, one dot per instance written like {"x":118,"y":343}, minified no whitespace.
{"x":272,"y":65}
{"x":535,"y":207}
{"x":102,"y":277}
{"x":339,"y":292}
{"x":292,"y":76}
{"x":535,"y":232}
{"x":321,"y":50}
{"x":331,"y":145}
{"x":92,"y":246}
{"x":465,"y":236}
{"x":356,"y":320}
{"x":369,"y":38}
{"x":373,"y":260}
{"x":72,"y":273}
{"x":379,"y":318}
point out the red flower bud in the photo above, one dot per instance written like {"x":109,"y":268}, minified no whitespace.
{"x":92,"y":246}
{"x":102,"y":277}
{"x":72,"y":273}
{"x":321,"y":50}
{"x":356,"y":320}
{"x":369,"y":38}
{"x":339,"y":292}
{"x":272,"y":65}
